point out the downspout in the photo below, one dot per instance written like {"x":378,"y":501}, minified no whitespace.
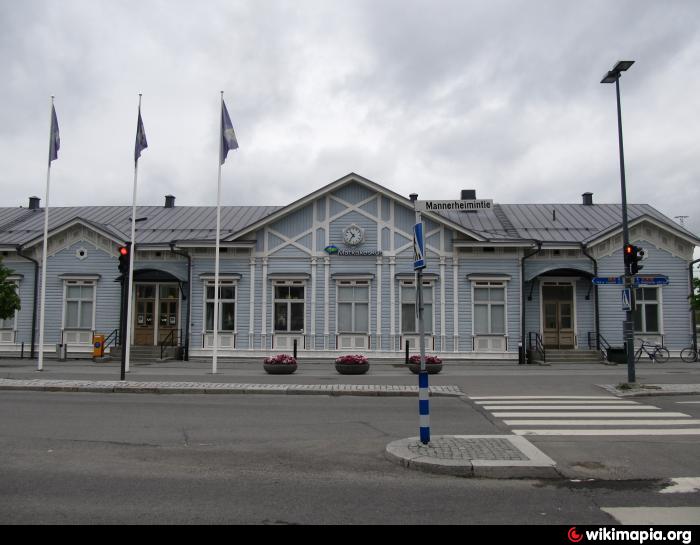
{"x":186,"y":355}
{"x":521,"y":356}
{"x":36,"y":289}
{"x":595,"y":290}
{"x":692,"y":310}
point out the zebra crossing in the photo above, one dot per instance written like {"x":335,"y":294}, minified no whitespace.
{"x":585,"y":416}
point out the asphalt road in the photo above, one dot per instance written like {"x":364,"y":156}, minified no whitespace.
{"x":82,"y":458}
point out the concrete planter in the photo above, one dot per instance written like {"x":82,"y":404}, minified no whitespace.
{"x":280,"y":368}
{"x":352,"y":368}
{"x":432,"y":368}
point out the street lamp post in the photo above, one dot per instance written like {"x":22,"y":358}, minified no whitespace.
{"x":613,"y":76}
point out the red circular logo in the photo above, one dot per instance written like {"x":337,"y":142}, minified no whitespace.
{"x":573,"y":535}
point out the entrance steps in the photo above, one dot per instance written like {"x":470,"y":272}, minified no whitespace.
{"x":555,"y":356}
{"x":145,"y":353}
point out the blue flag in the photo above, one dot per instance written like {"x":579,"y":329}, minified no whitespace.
{"x":141,"y":143}
{"x":54,"y":140}
{"x":228,"y":135}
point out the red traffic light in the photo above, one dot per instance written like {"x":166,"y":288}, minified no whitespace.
{"x":123,"y":250}
{"x":629,"y":249}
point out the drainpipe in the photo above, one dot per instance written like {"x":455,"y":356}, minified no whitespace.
{"x":595,"y":290}
{"x":521,"y":356}
{"x":36,"y":289}
{"x":186,"y":355}
{"x":692,"y":310}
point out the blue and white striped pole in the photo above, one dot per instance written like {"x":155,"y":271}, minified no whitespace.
{"x":423,"y":388}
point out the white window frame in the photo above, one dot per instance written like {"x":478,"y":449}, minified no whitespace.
{"x":412,"y":283}
{"x":352,"y":284}
{"x":79,"y":282}
{"x":275,"y":301}
{"x":223,"y":283}
{"x":480,"y":284}
{"x":659,"y":311}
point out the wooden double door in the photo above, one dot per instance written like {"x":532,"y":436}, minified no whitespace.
{"x":558,"y":316}
{"x":157,"y":312}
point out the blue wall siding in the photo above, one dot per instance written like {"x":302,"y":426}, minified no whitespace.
{"x":676,"y":314}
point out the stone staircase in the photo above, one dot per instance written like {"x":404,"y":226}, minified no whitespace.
{"x":556,"y":357}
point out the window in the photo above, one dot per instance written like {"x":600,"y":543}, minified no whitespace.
{"x":409,"y":312}
{"x":646,"y":312}
{"x":227,"y":306}
{"x":353,"y":306}
{"x":9,"y":323}
{"x":289,"y":306}
{"x":489,"y":308}
{"x":79,"y":304}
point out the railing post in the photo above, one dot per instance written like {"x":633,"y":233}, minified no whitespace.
{"x":407,"y":353}
{"x":295,"y":349}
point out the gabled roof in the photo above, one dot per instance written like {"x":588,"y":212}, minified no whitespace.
{"x":340,"y":182}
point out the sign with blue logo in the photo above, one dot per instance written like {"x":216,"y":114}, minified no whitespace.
{"x":332,"y":249}
{"x":598,"y":280}
{"x":418,"y":247}
{"x":652,"y":279}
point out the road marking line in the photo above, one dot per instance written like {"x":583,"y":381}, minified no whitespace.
{"x":544,"y":397}
{"x":555,"y":401}
{"x":571,"y":407}
{"x":586,"y":414}
{"x":593,"y":422}
{"x":682,"y":485}
{"x":688,"y":402}
{"x":644,"y":516}
{"x":688,"y":431}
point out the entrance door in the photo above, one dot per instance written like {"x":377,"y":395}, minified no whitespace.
{"x":168,"y":312}
{"x":144,"y":326}
{"x":558,"y":314}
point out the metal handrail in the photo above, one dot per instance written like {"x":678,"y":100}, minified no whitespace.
{"x":538,"y":344}
{"x":170,"y":340}
{"x":114,"y":340}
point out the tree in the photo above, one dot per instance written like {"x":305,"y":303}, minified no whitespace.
{"x":9,"y":300}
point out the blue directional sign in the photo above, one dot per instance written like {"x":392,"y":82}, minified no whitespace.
{"x":652,"y":279}
{"x":627,"y":299}
{"x":418,"y":247}
{"x":608,"y":280}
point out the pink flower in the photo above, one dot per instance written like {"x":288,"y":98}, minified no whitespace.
{"x":428,"y":360}
{"x":355,"y":359}
{"x":282,"y":359}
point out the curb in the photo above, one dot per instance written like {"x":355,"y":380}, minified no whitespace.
{"x":533,"y":463}
{"x":128,"y":387}
{"x":642,"y":390}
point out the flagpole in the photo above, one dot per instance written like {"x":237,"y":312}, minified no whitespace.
{"x":216,"y":252}
{"x":129,"y":309}
{"x":40,"y":364}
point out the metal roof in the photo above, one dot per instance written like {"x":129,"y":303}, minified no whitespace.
{"x":564,"y":223}
{"x":161,"y":226}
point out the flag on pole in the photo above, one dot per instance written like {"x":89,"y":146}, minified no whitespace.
{"x":54,"y":140}
{"x":141,"y":143}
{"x":228,"y":135}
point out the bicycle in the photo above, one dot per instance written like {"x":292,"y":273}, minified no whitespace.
{"x":655,"y":351}
{"x":690,"y":354}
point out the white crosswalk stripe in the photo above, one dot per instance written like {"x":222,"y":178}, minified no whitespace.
{"x":585,"y":416}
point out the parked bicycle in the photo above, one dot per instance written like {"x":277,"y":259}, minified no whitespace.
{"x":690,"y":354}
{"x":655,"y":351}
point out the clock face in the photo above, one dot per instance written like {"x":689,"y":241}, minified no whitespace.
{"x":353,"y":235}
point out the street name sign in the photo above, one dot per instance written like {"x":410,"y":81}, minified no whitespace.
{"x":653,"y":280}
{"x":608,"y":280}
{"x":454,"y":205}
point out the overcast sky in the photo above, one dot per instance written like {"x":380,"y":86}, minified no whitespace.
{"x":419,"y":96}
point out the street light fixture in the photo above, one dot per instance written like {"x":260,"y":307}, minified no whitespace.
{"x":613,"y":76}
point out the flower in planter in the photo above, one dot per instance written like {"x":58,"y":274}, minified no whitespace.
{"x":429,"y":360}
{"x":355,"y":359}
{"x":282,"y":359}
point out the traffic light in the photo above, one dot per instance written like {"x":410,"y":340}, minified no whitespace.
{"x":637,"y":256}
{"x":124,"y":258}
{"x":629,"y":252}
